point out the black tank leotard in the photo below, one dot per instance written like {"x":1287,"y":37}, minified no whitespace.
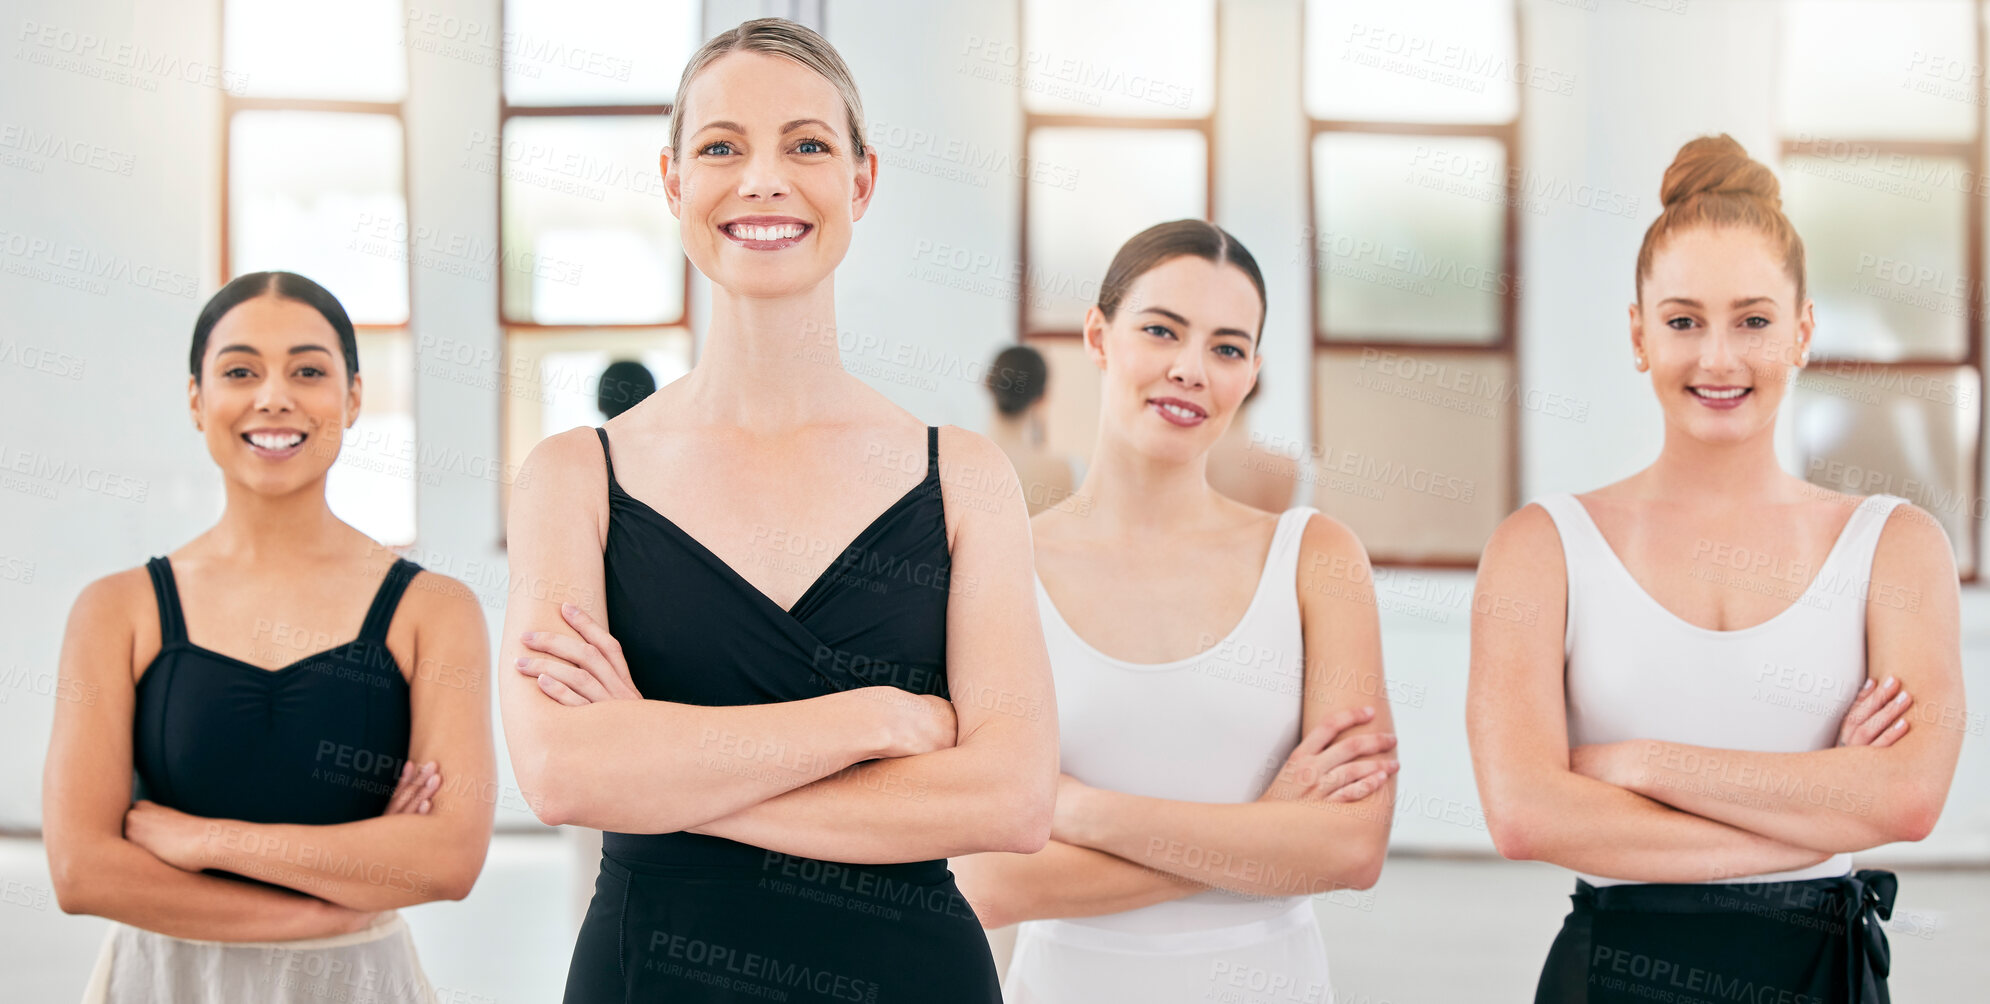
{"x":689,"y":917}
{"x":318,"y":741}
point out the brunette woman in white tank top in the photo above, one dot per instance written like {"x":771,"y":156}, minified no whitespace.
{"x":1691,"y":686}
{"x":1194,"y":641}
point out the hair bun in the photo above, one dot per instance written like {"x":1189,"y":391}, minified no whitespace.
{"x":1717,"y":164}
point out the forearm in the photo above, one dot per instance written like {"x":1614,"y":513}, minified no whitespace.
{"x":1590,"y":826}
{"x":1263,"y":848}
{"x":947,"y":803}
{"x":1847,"y":798}
{"x":1062,"y":880}
{"x":371,"y":864}
{"x":126,"y":883}
{"x":658,"y":767}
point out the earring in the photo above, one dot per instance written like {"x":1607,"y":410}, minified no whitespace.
{"x":1641,"y":361}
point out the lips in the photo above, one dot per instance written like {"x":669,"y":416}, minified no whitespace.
{"x":1720,"y":398}
{"x":275,"y":444}
{"x":765,"y":233}
{"x":1178,"y":411}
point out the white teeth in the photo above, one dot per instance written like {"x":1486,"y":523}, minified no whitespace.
{"x":272,"y":441}
{"x":1721,"y":395}
{"x":779,"y":232}
{"x":1175,"y":409}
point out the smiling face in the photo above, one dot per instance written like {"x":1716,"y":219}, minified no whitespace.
{"x":767,"y":183}
{"x":273,"y":399}
{"x":1720,"y":331}
{"x":1178,"y":356}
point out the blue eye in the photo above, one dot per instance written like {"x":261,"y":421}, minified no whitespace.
{"x":1235,"y":352}
{"x":709,"y":147}
{"x":1158,"y":329}
{"x":820,"y":146}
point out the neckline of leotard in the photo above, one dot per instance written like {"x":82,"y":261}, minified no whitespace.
{"x":1817,"y":580}
{"x":925,"y":485}
{"x":173,"y":623}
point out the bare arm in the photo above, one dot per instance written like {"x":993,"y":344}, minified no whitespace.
{"x":1062,"y":880}
{"x":638,"y":766}
{"x":397,"y":859}
{"x":1848,"y":798}
{"x":86,"y":790}
{"x":1517,"y":722}
{"x":994,"y":789}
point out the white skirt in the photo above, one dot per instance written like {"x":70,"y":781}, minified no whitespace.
{"x":1280,"y":960}
{"x":373,"y":966}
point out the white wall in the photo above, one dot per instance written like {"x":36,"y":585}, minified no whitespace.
{"x":1646,"y":80}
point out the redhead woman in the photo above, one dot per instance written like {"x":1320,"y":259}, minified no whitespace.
{"x":798,"y":665}
{"x":1225,"y":741}
{"x":1704,"y":711}
{"x":298,"y":779}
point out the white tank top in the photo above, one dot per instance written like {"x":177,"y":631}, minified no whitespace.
{"x":1636,"y":670}
{"x":1213,"y":727}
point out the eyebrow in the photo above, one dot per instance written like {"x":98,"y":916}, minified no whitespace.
{"x":1183,"y":321}
{"x":790,"y":127}
{"x":1745,"y":301}
{"x":250,"y":349}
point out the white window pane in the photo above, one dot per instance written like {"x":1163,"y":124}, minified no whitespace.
{"x":596,"y":52}
{"x":1877,"y":69}
{"x":1429,"y":61}
{"x":372,"y":484}
{"x":1126,"y":180}
{"x":321,"y":194}
{"x":1401,"y":248}
{"x":1111,"y":57}
{"x":586,"y":194}
{"x":350,"y":50}
{"x":1410,"y":449}
{"x":1896,"y":430}
{"x":551,"y":380}
{"x":1884,"y":244}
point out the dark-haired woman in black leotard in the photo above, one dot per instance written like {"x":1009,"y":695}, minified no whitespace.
{"x":296,"y":779}
{"x":826,"y":673}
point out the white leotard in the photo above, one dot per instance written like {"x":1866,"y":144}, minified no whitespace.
{"x":1213,"y":727}
{"x":1635,"y":670}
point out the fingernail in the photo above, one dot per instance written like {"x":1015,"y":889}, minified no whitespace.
{"x":1889,"y":681}
{"x":569,"y":609}
{"x":1368,"y":711}
{"x":1900,"y":698}
{"x":528,"y":637}
{"x":1868,"y":686}
{"x":1901,"y":724}
{"x":522,"y":660}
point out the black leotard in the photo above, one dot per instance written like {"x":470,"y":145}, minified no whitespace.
{"x":689,"y":917}
{"x":318,"y":741}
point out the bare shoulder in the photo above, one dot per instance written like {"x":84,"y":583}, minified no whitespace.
{"x":122,"y":598}
{"x":977,"y":482}
{"x":1527,"y":540}
{"x":1329,"y":539}
{"x":119,"y":611}
{"x":564,"y":473}
{"x":442,"y":601}
{"x":1913,"y":543}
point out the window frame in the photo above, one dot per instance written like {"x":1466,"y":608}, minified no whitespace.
{"x":1970,"y":152}
{"x":1505,"y":347}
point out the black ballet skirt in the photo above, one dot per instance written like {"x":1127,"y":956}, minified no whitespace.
{"x":690,"y":917}
{"x":1807,"y":941}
